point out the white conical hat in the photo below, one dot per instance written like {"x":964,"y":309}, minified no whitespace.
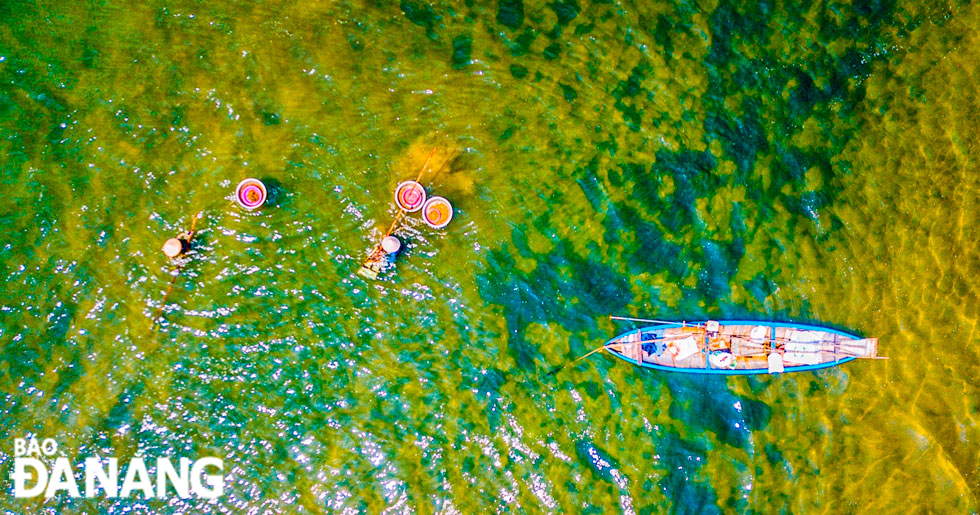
{"x":391,"y":244}
{"x":172,"y":247}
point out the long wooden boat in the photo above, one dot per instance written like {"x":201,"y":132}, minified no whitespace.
{"x":736,"y":347}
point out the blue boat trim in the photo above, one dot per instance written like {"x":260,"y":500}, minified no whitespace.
{"x":741,"y":372}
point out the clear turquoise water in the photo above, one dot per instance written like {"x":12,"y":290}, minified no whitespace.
{"x":808,"y":162}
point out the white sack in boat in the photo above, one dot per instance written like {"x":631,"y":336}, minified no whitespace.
{"x":803,"y":348}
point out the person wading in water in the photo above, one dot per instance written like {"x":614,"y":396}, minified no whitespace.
{"x":180,"y":245}
{"x":173,"y":248}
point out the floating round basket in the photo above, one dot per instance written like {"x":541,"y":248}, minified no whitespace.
{"x":250,"y":194}
{"x":410,"y":196}
{"x":437,"y":212}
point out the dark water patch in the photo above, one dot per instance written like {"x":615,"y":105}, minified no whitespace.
{"x":355,"y":43}
{"x":662,"y":35}
{"x":276,"y":193}
{"x":790,"y":169}
{"x":7,"y":105}
{"x":682,"y":484}
{"x":41,"y":323}
{"x":593,"y":190}
{"x":805,"y":95}
{"x":716,"y":270}
{"x":518,"y":236}
{"x":743,"y":137}
{"x":522,"y":43}
{"x":773,"y":455}
{"x":875,"y":12}
{"x":555,"y":32}
{"x":730,"y":24}
{"x":69,"y":371}
{"x":13,"y":410}
{"x":568,"y":92}
{"x":422,"y":15}
{"x":552,"y":51}
{"x":592,"y":389}
{"x":808,"y":204}
{"x":487,"y":385}
{"x":632,"y":86}
{"x":584,"y":28}
{"x":761,"y":287}
{"x":692,"y":179}
{"x":520,"y":305}
{"x":122,"y":415}
{"x":610,"y":145}
{"x":736,"y":249}
{"x":510,"y":13}
{"x":565,"y":10}
{"x":598,"y":288}
{"x":634,"y":171}
{"x":605,"y":291}
{"x":778,"y":97}
{"x":270,"y":118}
{"x":627,"y":89}
{"x":705,"y":403}
{"x":462,"y":48}
{"x":736,"y":225}
{"x":654,"y":251}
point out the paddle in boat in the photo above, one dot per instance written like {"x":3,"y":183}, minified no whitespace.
{"x":737,"y":347}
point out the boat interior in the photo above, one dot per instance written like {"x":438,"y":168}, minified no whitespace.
{"x":712,"y":345}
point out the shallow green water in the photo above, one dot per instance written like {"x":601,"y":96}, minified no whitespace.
{"x":674,"y":160}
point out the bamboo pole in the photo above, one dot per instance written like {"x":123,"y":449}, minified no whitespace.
{"x":850,"y":348}
{"x":628,"y":319}
{"x":562,"y":367}
{"x":773,"y":351}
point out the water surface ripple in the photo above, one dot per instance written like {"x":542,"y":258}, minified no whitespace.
{"x":784,"y":161}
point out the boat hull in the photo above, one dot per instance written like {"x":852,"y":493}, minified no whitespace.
{"x":797,"y":347}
